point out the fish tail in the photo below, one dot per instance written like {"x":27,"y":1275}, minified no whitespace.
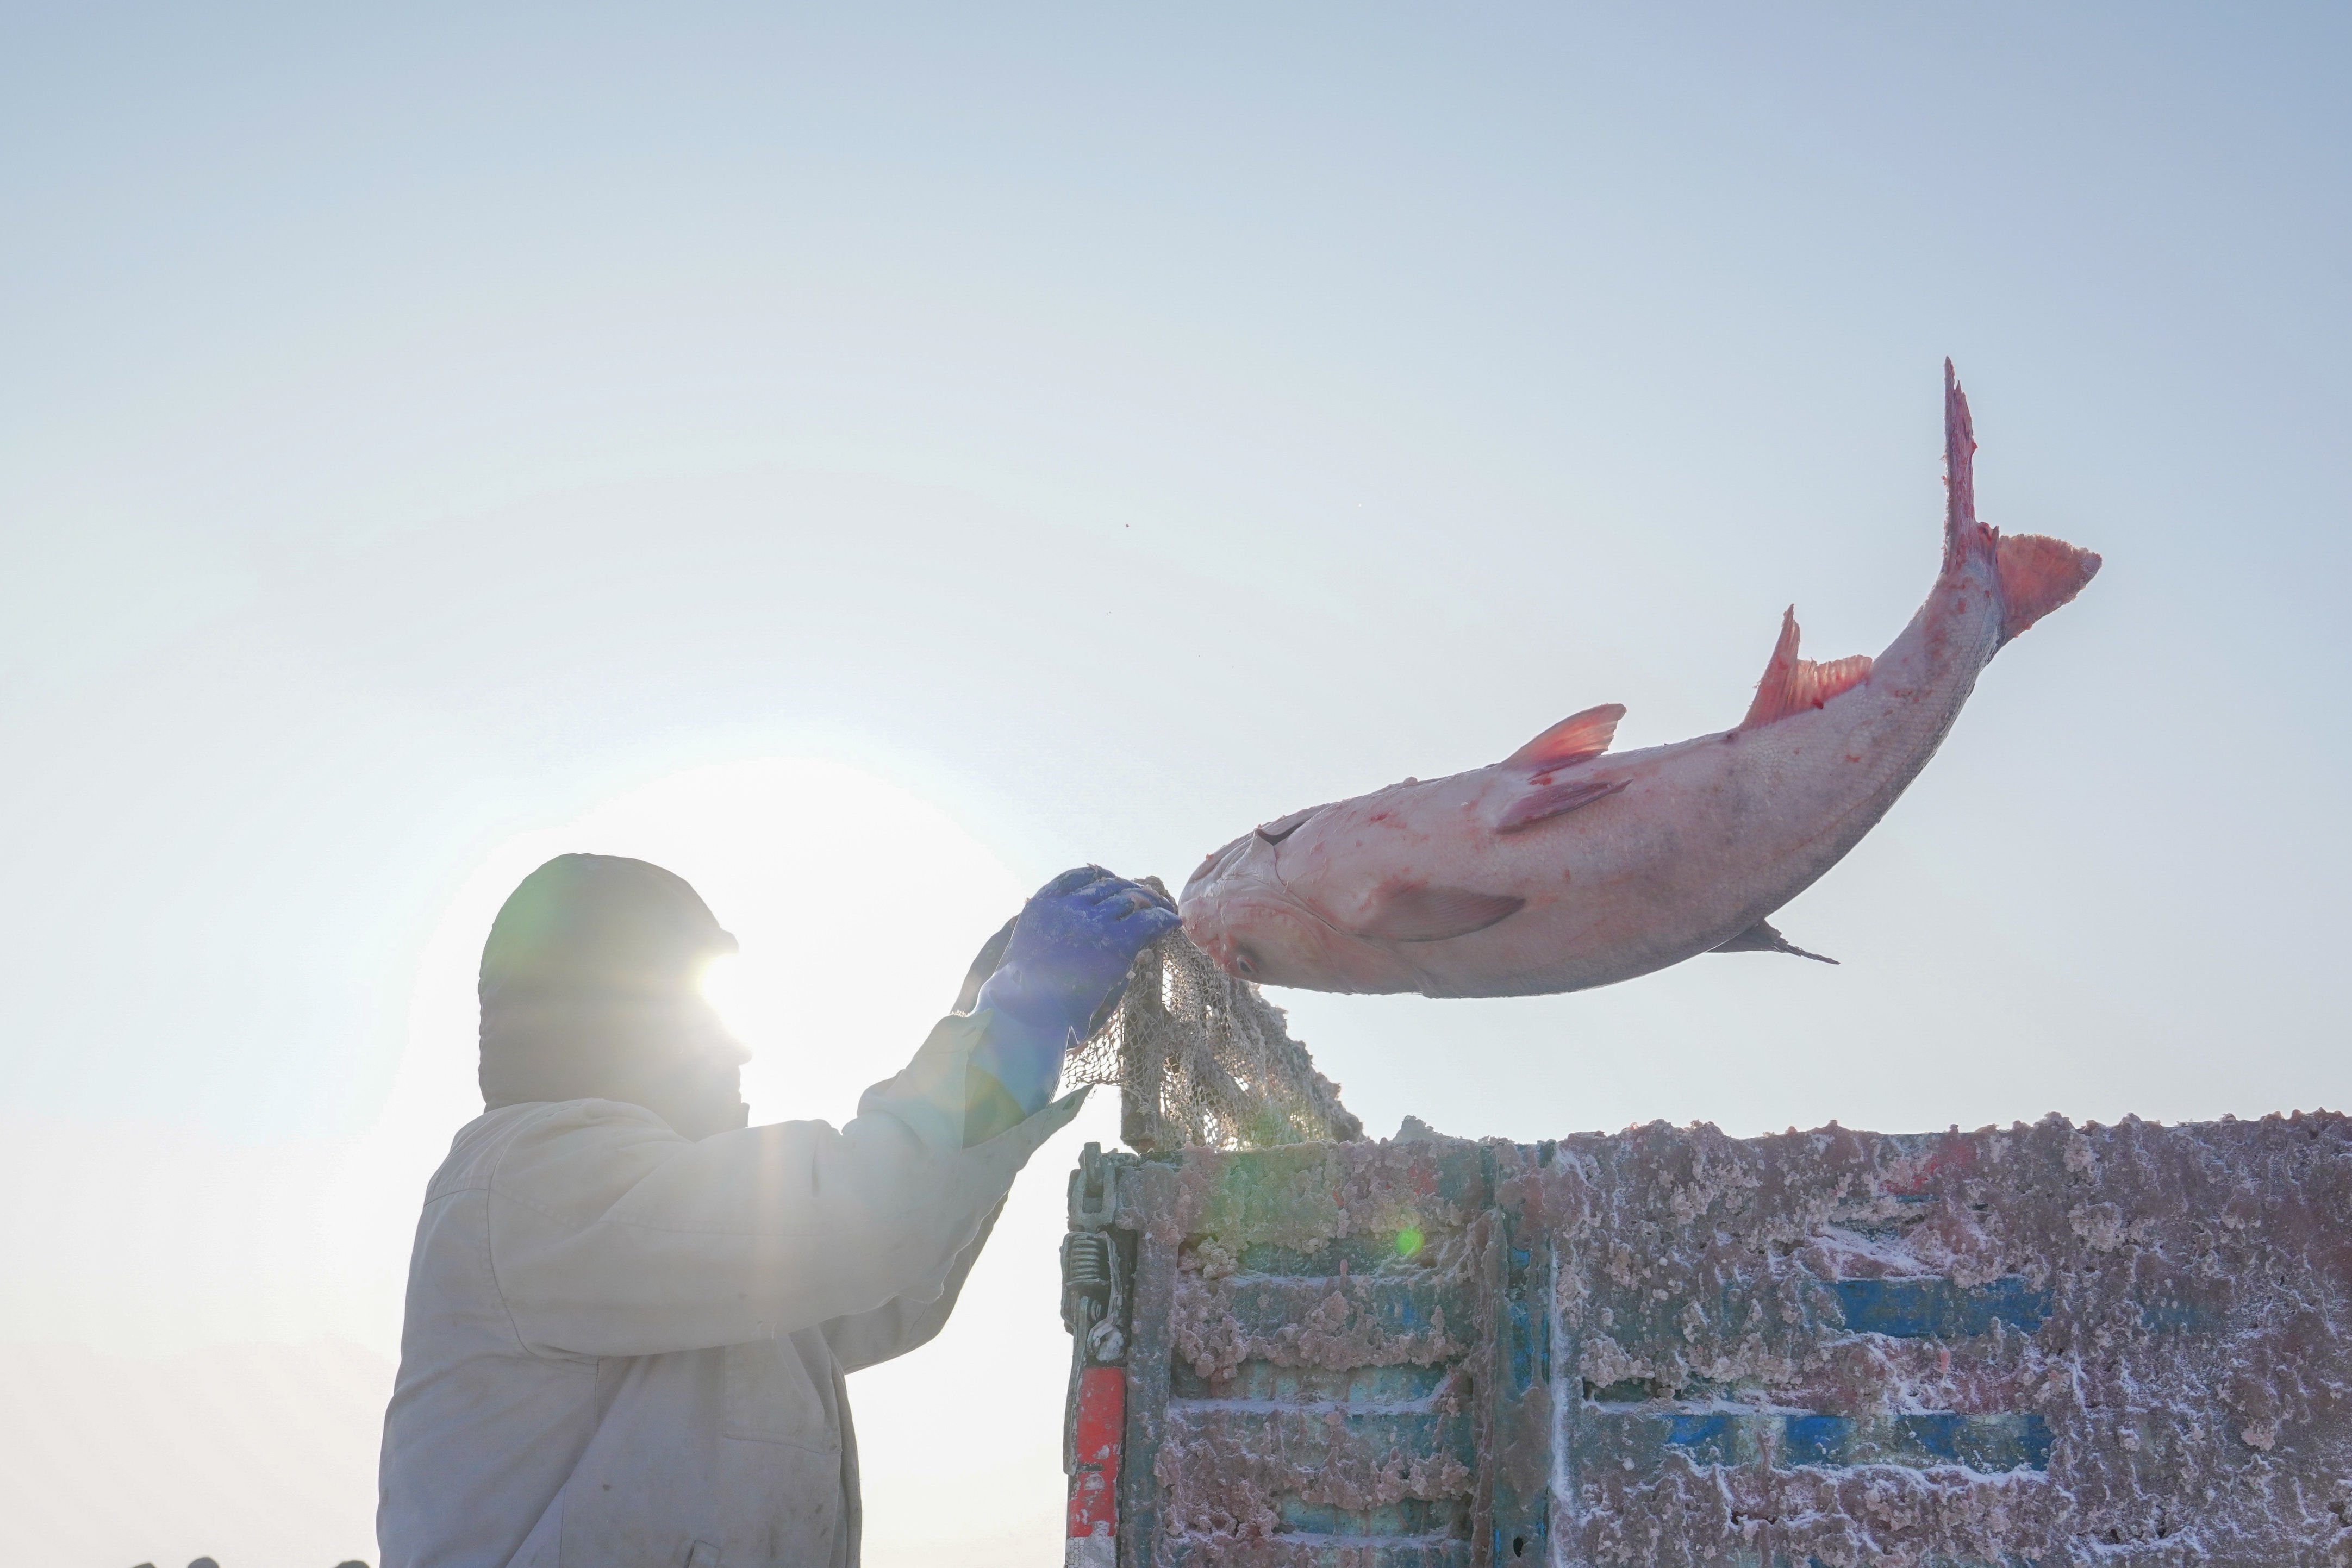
{"x":2036,"y":573}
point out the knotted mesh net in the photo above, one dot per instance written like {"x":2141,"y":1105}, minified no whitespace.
{"x":1202,"y":1059}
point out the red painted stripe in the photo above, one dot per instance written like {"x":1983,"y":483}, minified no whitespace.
{"x":1102,"y":1417}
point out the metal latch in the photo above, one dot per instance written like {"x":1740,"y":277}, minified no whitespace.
{"x":1091,"y":1293}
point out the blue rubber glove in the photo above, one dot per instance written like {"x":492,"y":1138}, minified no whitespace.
{"x":1063,"y":971}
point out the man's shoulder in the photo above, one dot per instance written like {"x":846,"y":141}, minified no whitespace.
{"x":540,"y":1129}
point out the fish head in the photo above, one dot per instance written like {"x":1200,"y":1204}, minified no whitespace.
{"x":1237,"y":910}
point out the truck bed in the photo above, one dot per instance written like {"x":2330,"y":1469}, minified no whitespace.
{"x":2042,"y":1344}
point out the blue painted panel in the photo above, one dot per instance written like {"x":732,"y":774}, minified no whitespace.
{"x":1521,"y":1328}
{"x":1324,"y":1552}
{"x":2033,"y":1440}
{"x":1313,"y":1438}
{"x":1936,"y":1436}
{"x":1408,"y":1516}
{"x":1710,"y":1439}
{"x":1816,"y":1439}
{"x":1994,"y":1444}
{"x":1937,"y":1309}
{"x":1371,"y":1385}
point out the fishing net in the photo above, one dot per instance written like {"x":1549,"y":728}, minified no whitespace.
{"x":1202,"y":1059}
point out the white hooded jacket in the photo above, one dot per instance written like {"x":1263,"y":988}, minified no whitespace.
{"x":626,"y":1350}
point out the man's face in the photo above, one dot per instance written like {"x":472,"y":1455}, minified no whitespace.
{"x":687,"y":1067}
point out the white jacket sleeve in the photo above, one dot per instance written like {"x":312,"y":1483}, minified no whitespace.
{"x":904,"y":1322}
{"x":610,"y":1235}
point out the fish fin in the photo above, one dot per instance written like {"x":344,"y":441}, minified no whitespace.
{"x":1762,"y":937}
{"x":1576,"y":738}
{"x":1542,"y":805}
{"x":1963,"y":535}
{"x":1791,"y":685}
{"x":2037,"y":574}
{"x":1435,"y":914}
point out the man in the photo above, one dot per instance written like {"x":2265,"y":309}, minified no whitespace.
{"x":629,"y":1314}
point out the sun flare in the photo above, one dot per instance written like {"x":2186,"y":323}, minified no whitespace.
{"x":722,"y":988}
{"x":840,"y":975}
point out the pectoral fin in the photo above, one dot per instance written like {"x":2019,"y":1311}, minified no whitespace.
{"x":1435,"y":914}
{"x":1542,"y":805}
{"x":1761,"y":937}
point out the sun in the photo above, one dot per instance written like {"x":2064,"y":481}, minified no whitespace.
{"x":722,"y":988}
{"x":812,"y":864}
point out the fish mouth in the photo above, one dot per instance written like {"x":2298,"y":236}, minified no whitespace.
{"x":1237,"y":910}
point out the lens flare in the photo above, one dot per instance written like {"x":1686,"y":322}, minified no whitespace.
{"x":722,"y":988}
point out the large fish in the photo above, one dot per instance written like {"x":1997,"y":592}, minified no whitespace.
{"x":1563,"y":866}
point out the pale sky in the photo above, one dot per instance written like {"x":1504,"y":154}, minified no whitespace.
{"x":872,"y":460}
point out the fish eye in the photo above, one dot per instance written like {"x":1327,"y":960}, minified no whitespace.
{"x":1244,"y":961}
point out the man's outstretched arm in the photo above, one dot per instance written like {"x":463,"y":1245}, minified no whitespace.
{"x":1017,"y":1067}
{"x":612,"y":1236}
